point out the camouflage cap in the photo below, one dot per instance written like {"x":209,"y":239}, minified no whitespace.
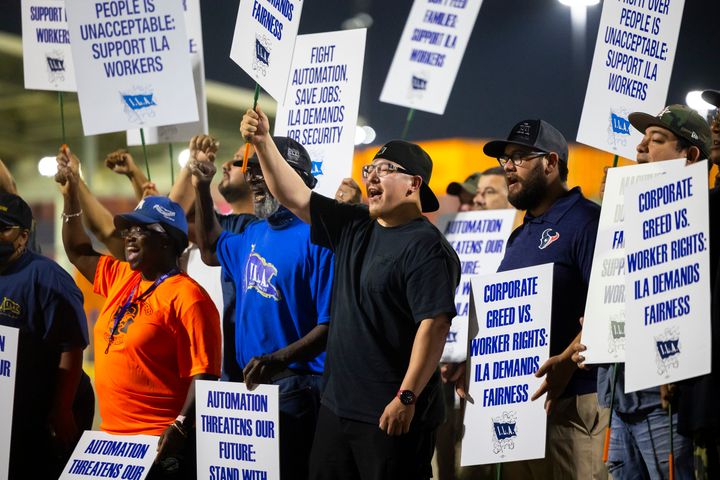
{"x":682,"y":120}
{"x":469,"y":185}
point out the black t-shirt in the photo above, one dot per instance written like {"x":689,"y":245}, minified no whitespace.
{"x":387,"y":280}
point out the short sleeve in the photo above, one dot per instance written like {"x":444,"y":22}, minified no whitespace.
{"x":234,"y":223}
{"x":432,"y":275}
{"x":108,"y":270}
{"x":328,"y":219}
{"x":198,"y":337}
{"x":226,"y":250}
{"x":62,"y":309}
{"x":322,"y":282}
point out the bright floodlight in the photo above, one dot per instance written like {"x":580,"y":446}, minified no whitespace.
{"x":47,"y":166}
{"x":370,"y":134}
{"x":695,"y":101}
{"x":183,"y":157}
{"x":360,"y":135}
{"x":579,"y":3}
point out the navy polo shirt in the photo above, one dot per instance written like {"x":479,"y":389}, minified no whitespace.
{"x":565,"y":236}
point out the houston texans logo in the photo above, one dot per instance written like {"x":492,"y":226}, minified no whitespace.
{"x":548,"y":237}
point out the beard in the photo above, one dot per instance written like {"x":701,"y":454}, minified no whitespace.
{"x":233,"y":193}
{"x":266,"y":207}
{"x":532,"y":190}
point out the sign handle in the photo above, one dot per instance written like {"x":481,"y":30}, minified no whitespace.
{"x":615,"y":161}
{"x":172,"y":166}
{"x":606,"y":447}
{"x":62,"y":116}
{"x":671,"y":459}
{"x":408,"y":120}
{"x":147,"y":165}
{"x":247,"y":144}
{"x":498,"y":471}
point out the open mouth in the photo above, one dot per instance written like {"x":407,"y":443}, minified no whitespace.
{"x":374,"y":193}
{"x":131,"y":253}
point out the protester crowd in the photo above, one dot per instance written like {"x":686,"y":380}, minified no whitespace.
{"x":345,"y":306}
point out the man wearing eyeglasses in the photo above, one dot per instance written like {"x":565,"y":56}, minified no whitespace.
{"x":560,"y":227}
{"x":42,"y":301}
{"x":393,"y":299}
{"x":283,"y":287}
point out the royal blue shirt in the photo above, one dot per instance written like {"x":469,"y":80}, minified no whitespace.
{"x":565,"y":236}
{"x":283,"y":286}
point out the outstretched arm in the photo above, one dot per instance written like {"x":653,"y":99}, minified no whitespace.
{"x":78,"y":246}
{"x":207,"y":227}
{"x":121,"y":162}
{"x":281,"y":179}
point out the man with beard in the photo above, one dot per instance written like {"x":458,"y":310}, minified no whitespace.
{"x":41,"y":300}
{"x":283,"y":285}
{"x":559,"y":227}
{"x":393,"y":300}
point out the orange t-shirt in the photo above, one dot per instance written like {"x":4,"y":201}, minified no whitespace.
{"x":170,"y":336}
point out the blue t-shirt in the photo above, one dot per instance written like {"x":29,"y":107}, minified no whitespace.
{"x":43,"y":302}
{"x":283,"y":286}
{"x":231,"y":371}
{"x":564,"y":235}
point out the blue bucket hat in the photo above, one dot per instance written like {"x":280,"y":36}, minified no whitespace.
{"x":159,"y":210}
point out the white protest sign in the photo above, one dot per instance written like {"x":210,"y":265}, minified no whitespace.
{"x":264,"y":40}
{"x":321,"y":104}
{"x":132,"y":64}
{"x":603,"y":331}
{"x":630,"y":72}
{"x":47,"y":60}
{"x":101,"y":455}
{"x":479,"y":240}
{"x":668,"y":279}
{"x":8,"y":359}
{"x":429,"y":54}
{"x":512,"y":311}
{"x":238,"y":431}
{"x":183,"y":132}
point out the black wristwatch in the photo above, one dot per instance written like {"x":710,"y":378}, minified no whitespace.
{"x":407,"y":397}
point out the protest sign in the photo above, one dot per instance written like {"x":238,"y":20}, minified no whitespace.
{"x":47,"y":60}
{"x":512,"y":319}
{"x":429,"y":54}
{"x":603,"y":330}
{"x":238,"y":433}
{"x":101,"y":455}
{"x":183,"y":132}
{"x":8,"y":359}
{"x":321,"y":104}
{"x":479,"y":240}
{"x":132,"y":64}
{"x":668,"y":279}
{"x":630,"y":72}
{"x":264,"y":40}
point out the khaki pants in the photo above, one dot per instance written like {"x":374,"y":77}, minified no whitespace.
{"x":575,"y":438}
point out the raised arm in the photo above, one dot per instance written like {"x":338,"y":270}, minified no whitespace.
{"x":78,"y":246}
{"x":203,"y":147}
{"x":7,"y":182}
{"x":281,"y":179}
{"x":122,"y":163}
{"x":207,"y":227}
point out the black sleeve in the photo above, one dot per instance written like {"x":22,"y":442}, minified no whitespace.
{"x":328,"y":219}
{"x":432,"y":275}
{"x":234,"y":223}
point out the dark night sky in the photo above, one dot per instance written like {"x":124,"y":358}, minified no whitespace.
{"x":518,"y":64}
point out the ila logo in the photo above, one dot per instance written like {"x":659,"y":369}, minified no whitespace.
{"x":667,"y":350}
{"x":547,"y":238}
{"x":139,"y":104}
{"x":55,"y":63}
{"x":504,"y":432}
{"x":619,"y":125}
{"x":259,"y":276}
{"x":261,"y":60}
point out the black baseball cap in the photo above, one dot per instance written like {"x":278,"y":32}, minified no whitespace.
{"x":682,"y":120}
{"x":14,"y":212}
{"x":417,"y":162}
{"x":712,"y":97}
{"x":296,"y":155}
{"x":534,"y":133}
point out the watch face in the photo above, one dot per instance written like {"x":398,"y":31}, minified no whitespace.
{"x":407,"y":397}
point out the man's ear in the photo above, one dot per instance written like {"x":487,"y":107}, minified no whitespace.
{"x":416,"y":183}
{"x":693,"y":155}
{"x":551,"y":162}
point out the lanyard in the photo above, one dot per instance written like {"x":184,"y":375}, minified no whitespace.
{"x":129,"y":302}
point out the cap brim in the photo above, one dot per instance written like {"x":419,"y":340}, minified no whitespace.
{"x":428,"y":200}
{"x":496,"y":148}
{"x":454,"y":188}
{"x":641,"y":121}
{"x":126,"y":220}
{"x":712,"y":97}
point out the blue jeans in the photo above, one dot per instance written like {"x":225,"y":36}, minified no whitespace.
{"x":640,"y":446}
{"x":299,"y":405}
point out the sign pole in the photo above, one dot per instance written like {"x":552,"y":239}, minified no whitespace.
{"x":172,"y":166}
{"x":62,"y":116}
{"x":408,"y":120}
{"x":147,"y":165}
